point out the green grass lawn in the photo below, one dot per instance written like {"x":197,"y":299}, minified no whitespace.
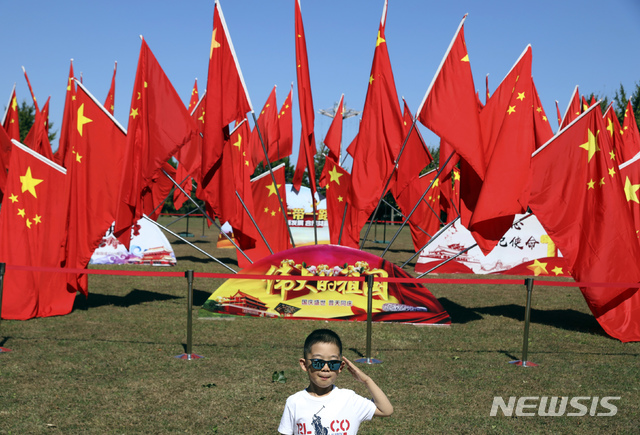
{"x":109,"y":366}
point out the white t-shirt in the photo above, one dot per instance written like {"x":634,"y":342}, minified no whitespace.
{"x":339,"y":412}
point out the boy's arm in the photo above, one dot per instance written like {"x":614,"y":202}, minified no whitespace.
{"x":384,"y":408}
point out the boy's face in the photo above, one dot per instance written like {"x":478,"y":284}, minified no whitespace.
{"x":324,"y":377}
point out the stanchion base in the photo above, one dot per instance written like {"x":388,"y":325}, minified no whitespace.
{"x":368,"y":361}
{"x":523,"y":363}
{"x":189,"y":356}
{"x":4,"y":349}
{"x":186,"y":234}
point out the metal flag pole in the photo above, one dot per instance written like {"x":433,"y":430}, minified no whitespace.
{"x":2,"y":269}
{"x":368,"y":359}
{"x":207,"y":216}
{"x":403,"y":217}
{"x":273,"y":179}
{"x":167,"y":197}
{"x":447,"y":260}
{"x":188,"y":243}
{"x":416,"y":206}
{"x":344,"y":217}
{"x":255,"y":224}
{"x":435,"y":236}
{"x":528,"y":282}
{"x":189,"y":355}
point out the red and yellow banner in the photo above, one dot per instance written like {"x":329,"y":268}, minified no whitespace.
{"x":325,"y":299}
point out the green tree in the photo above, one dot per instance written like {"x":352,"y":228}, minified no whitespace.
{"x":620,"y":100}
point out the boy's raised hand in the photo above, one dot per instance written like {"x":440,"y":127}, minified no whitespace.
{"x":355,"y":371}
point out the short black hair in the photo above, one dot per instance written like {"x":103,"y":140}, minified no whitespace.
{"x":321,"y":336}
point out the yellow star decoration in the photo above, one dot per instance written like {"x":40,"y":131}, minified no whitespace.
{"x":612,"y":154}
{"x":610,"y":126}
{"x":82,"y":120}
{"x":520,"y":96}
{"x":266,"y":209}
{"x":13,"y":198}
{"x":14,"y":103}
{"x":380,"y":39}
{"x":591,"y":184}
{"x":612,"y":172}
{"x":134,"y":113}
{"x":544,"y":117}
{"x":465,"y":58}
{"x":214,"y":43}
{"x":630,"y":191}
{"x":538,"y":267}
{"x":29,"y":183}
{"x":272,"y":189}
{"x":238,"y":143}
{"x":28,"y":222}
{"x":557,"y":270}
{"x":37,"y":219}
{"x":591,"y":145}
{"x":511,"y":110}
{"x":539,"y":109}
{"x":201,"y":117}
{"x":370,"y":80}
{"x":273,"y":213}
{"x":21,"y":212}
{"x":340,"y":199}
{"x":146,"y":85}
{"x":456,"y":175}
{"x":602,"y":183}
{"x":78,"y":158}
{"x":69,"y":85}
{"x":139,"y":95}
{"x":335,"y":175}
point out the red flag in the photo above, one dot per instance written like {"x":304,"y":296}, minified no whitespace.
{"x":621,"y":154}
{"x":631,"y":135}
{"x":110,"y":101}
{"x":33,"y":95}
{"x":508,"y":132}
{"x":333,"y":139}
{"x":415,"y":156}
{"x":307,"y":151}
{"x":338,"y":187}
{"x":159,"y":125}
{"x":541,"y":123}
{"x":269,"y":130}
{"x":5,"y":158}
{"x":285,"y":127}
{"x":60,"y":156}
{"x":630,"y":174}
{"x":573,"y":109}
{"x":160,"y":189}
{"x":38,"y":137}
{"x":227,"y":100}
{"x":268,"y":215}
{"x":10,"y":121}
{"x":450,"y":194}
{"x":451,"y":102}
{"x":559,"y":115}
{"x":487,"y":94}
{"x":380,"y":136}
{"x":97,"y":145}
{"x":193,"y":100}
{"x":32,"y":233}
{"x":578,"y":197}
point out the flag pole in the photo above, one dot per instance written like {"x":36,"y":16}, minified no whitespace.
{"x":344,"y":216}
{"x":207,"y":215}
{"x":434,"y":237}
{"x":273,"y":179}
{"x":187,"y":242}
{"x":167,"y":197}
{"x":6,"y":112}
{"x":417,"y":204}
{"x":255,"y":224}
{"x":400,"y":213}
{"x":2,"y":269}
{"x":528,"y":282}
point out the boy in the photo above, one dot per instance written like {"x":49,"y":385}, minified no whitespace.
{"x":322,"y":408}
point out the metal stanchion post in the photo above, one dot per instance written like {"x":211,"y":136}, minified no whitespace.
{"x":368,"y":359}
{"x":189,"y":356}
{"x":2,"y":268}
{"x":186,"y":233}
{"x":527,"y":317}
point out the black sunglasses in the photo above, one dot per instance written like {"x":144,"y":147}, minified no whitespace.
{"x":318,"y":364}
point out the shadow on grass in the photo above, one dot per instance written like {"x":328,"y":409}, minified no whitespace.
{"x":563,"y":319}
{"x":192,"y":241}
{"x":459,"y":313}
{"x":134,"y":297}
{"x":205,"y":260}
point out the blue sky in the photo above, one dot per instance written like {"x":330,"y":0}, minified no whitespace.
{"x":592,"y":44}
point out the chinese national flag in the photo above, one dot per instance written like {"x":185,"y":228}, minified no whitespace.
{"x":60,"y":156}
{"x":415,"y":156}
{"x":38,"y":137}
{"x":541,"y":123}
{"x":269,"y":130}
{"x":631,"y":135}
{"x":424,"y":222}
{"x":160,"y":189}
{"x":338,"y":187}
{"x":97,"y":145}
{"x":33,"y":229}
{"x":380,"y":136}
{"x":307,"y":151}
{"x":509,"y":139}
{"x":333,"y":139}
{"x":450,"y":106}
{"x":621,"y":154}
{"x":193,"y":100}
{"x":630,"y":174}
{"x":227,"y":99}
{"x":5,"y":158}
{"x":110,"y":101}
{"x":159,"y":125}
{"x":450,"y":194}
{"x":578,"y":196}
{"x":189,"y":155}
{"x":10,"y":121}
{"x":268,"y":215}
{"x":285,"y":128}
{"x":573,"y":109}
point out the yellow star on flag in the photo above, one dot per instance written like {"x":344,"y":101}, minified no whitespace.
{"x":511,"y":110}
{"x":29,"y":183}
{"x":272,"y":189}
{"x":610,"y":127}
{"x":591,"y":184}
{"x":591,"y":145}
{"x":380,"y":39}
{"x":82,"y":120}
{"x":266,"y":209}
{"x":78,"y":158}
{"x":214,"y":43}
{"x":520,"y":96}
{"x":538,"y":267}
{"x":273,"y":213}
{"x":13,"y":198}
{"x":465,"y":58}
{"x":612,"y":172}
{"x":557,"y":270}
{"x":37,"y":219}
{"x":340,"y":199}
{"x":134,"y":113}
{"x":370,"y":79}
{"x":335,"y":175}
{"x":21,"y":212}
{"x":28,"y":222}
{"x":14,"y":103}
{"x":612,"y":154}
{"x":602,"y":183}
{"x":238,"y":143}
{"x":630,"y":191}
